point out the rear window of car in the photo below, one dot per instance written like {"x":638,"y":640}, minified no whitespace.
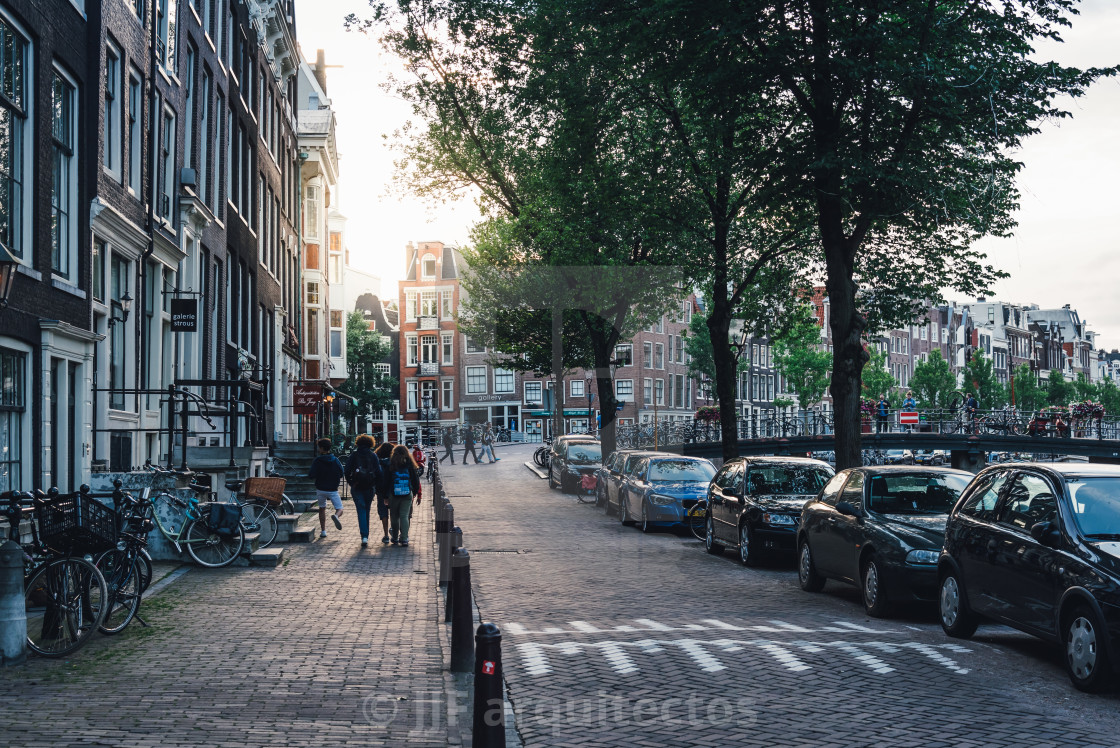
{"x":584,"y":453}
{"x":679,"y":471}
{"x":1096,"y":505}
{"x":915,"y":494}
{"x":786,"y":479}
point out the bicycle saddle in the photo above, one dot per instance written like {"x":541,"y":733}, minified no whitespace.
{"x":234,"y":485}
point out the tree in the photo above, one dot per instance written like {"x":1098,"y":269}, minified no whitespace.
{"x":1059,"y":392}
{"x":1109,"y":396}
{"x":698,"y":346}
{"x":798,"y":358}
{"x":365,"y":349}
{"x":980,"y":380}
{"x":1029,"y":395}
{"x":875,"y":378}
{"x":933,"y":381}
{"x":1083,"y":389}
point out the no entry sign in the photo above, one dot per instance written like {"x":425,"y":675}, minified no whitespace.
{"x":908,"y":417}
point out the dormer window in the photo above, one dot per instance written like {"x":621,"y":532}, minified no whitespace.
{"x":428,"y":270}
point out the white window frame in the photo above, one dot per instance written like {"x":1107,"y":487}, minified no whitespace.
{"x":64,"y":247}
{"x":112,"y":138}
{"x":424,"y":274}
{"x":647,"y":391}
{"x":447,"y":349}
{"x":473,"y":373}
{"x":412,"y":395}
{"x":448,"y":386}
{"x":533,"y":386}
{"x":576,"y":388}
{"x":628,"y":350}
{"x":659,"y":392}
{"x":412,"y":349}
{"x":429,"y":304}
{"x":504,"y":381}
{"x":624,"y":390}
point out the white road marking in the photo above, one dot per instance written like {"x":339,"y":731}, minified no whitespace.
{"x":707,"y":624}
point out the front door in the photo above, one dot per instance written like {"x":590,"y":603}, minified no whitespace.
{"x":975,"y":544}
{"x":725,"y":502}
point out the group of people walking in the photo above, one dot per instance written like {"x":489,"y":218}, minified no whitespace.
{"x":486,"y":443}
{"x":387,"y":475}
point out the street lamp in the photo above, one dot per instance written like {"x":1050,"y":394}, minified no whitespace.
{"x":7,"y":275}
{"x":587,"y":390}
{"x":126,"y":307}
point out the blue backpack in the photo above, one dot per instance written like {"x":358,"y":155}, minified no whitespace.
{"x":402,"y":486}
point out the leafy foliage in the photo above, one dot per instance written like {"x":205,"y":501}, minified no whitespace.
{"x":1029,"y":395}
{"x":798,"y":357}
{"x":933,"y":382}
{"x":877,"y":379}
{"x":979,"y":379}
{"x":365,"y":349}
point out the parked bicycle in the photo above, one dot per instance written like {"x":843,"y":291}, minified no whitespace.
{"x":127,"y":568}
{"x":542,"y":456}
{"x":209,"y":540}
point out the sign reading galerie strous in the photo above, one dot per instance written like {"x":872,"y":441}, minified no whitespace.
{"x":306,"y":397}
{"x":184,"y":315}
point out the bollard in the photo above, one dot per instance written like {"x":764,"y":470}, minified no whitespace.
{"x":448,"y":524}
{"x":454,"y":542}
{"x":462,"y":614}
{"x":13,"y":613}
{"x":489,"y":729}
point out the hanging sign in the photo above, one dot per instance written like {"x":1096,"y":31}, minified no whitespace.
{"x":306,"y":397}
{"x":184,"y":315}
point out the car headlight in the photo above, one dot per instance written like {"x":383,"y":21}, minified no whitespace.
{"x":659,"y":500}
{"x":922,"y":557}
{"x":778,"y":519}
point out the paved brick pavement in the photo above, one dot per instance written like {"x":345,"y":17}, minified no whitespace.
{"x":339,"y":646}
{"x":615,"y":638}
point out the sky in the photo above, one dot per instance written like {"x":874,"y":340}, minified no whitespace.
{"x":1066,"y":249}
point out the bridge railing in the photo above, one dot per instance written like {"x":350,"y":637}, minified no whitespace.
{"x":773,"y":425}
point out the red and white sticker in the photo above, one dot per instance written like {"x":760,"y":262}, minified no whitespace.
{"x":487,"y":667}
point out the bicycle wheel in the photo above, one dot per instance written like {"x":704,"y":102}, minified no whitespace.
{"x":256,"y":517}
{"x":208,"y":548}
{"x":65,"y":600}
{"x":144,"y":561}
{"x":956,"y":400}
{"x":122,"y":575}
{"x":696,"y":524}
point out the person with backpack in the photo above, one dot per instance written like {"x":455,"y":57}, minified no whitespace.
{"x":468,"y":445}
{"x":362,"y":473}
{"x":404,"y":478}
{"x":448,"y":444}
{"x":384,"y":487}
{"x":327,"y":473}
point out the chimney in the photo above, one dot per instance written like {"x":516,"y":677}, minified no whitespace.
{"x":321,"y":69}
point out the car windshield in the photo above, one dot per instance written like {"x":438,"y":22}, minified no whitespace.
{"x":584,"y":454}
{"x":916,"y":493}
{"x":679,"y":471}
{"x":785,"y":479}
{"x":1096,"y":506}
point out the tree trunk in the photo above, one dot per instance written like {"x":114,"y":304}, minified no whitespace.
{"x":726,"y":365}
{"x":848,"y":358}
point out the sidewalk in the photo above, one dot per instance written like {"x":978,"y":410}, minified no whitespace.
{"x":338,"y":646}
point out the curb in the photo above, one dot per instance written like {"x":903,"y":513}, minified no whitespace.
{"x":536,"y":470}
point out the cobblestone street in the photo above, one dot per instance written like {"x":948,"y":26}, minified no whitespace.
{"x":615,"y":638}
{"x":338,"y":646}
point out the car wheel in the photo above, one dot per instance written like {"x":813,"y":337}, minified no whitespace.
{"x":710,"y":544}
{"x":957,"y":619}
{"x":623,"y":511}
{"x":647,"y":528}
{"x":875,"y":600}
{"x":749,"y":554}
{"x":807,"y":574}
{"x":1086,"y":651}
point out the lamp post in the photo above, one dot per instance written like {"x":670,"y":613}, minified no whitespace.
{"x":587,"y":390}
{"x":126,"y":307}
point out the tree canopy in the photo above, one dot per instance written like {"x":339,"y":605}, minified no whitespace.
{"x":933,"y":382}
{"x":365,"y":349}
{"x":798,"y":357}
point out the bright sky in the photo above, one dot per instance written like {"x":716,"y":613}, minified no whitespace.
{"x":1064,"y":252}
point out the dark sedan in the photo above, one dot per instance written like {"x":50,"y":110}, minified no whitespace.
{"x":755,"y":503}
{"x":1037,"y":547}
{"x":880,"y":528}
{"x":571,"y":459}
{"x":662,"y":488}
{"x":611,"y":475}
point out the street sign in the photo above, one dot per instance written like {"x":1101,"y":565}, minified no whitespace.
{"x":306,"y":397}
{"x":184,"y":315}
{"x":908,"y":417}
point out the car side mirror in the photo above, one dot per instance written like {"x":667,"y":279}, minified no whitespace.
{"x":1046,"y":533}
{"x":847,"y":508}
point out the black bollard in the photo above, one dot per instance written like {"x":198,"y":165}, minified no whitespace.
{"x":439,"y":508}
{"x":462,"y":614}
{"x":489,"y":729}
{"x":445,"y":546}
{"x":454,"y":542}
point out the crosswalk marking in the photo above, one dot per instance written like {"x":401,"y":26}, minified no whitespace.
{"x":706,"y":624}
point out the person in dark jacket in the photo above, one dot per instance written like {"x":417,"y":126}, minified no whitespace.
{"x":448,"y":443}
{"x":404,"y":479}
{"x":327,"y":473}
{"x":363,"y":472}
{"x":468,"y":445}
{"x":384,"y":488}
{"x":882,"y":413}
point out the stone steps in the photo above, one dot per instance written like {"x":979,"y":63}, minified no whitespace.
{"x":270,"y":557}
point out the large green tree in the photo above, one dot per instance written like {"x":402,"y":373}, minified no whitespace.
{"x":933,"y":381}
{"x":876,"y":379}
{"x":1059,"y":391}
{"x":979,"y":379}
{"x":1029,"y":395}
{"x":799,"y":358}
{"x":365,"y":349}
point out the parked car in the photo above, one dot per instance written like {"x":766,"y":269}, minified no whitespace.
{"x":1036,"y":546}
{"x":932,"y":457}
{"x":898,"y":457}
{"x":661,"y":489}
{"x":880,"y":528}
{"x":754,"y":504}
{"x":571,"y":459}
{"x":611,"y":474}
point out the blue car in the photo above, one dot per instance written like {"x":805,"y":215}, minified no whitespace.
{"x":661,"y":489}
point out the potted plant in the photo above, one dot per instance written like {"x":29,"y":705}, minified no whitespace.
{"x":866,"y":409}
{"x":708,"y":414}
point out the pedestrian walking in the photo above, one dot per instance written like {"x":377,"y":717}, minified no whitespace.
{"x":488,"y":443}
{"x":405,"y":481}
{"x":448,"y":444}
{"x":384,"y":488}
{"x":363,"y":472}
{"x":327,"y":472}
{"x":468,"y":445}
{"x":882,"y":413}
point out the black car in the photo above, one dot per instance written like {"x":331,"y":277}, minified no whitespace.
{"x":1037,"y":547}
{"x":611,"y":475}
{"x":880,"y":528}
{"x":754,"y":504}
{"x":571,"y":459}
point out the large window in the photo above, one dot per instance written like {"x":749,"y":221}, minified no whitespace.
{"x":448,"y":343}
{"x":624,"y":354}
{"x":14,"y":136}
{"x":428,"y":350}
{"x":118,"y":353}
{"x":473,"y":347}
{"x":448,"y":394}
{"x":312,"y":341}
{"x":111,"y":155}
{"x":428,"y":267}
{"x":412,"y":390}
{"x":476,"y":380}
{"x":411,"y":349}
{"x":659,"y":391}
{"x":647,"y":355}
{"x":428,"y":304}
{"x":503,"y":381}
{"x":166,"y":161}
{"x":576,"y":387}
{"x":624,"y":390}
{"x":64,"y":164}
{"x":659,"y":356}
{"x":13,"y":391}
{"x":533,"y":394}
{"x":167,"y":33}
{"x":647,"y":391}
{"x":336,"y":333}
{"x":135,"y":123}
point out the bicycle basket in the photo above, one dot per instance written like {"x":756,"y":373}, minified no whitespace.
{"x":76,"y":524}
{"x":267,"y":489}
